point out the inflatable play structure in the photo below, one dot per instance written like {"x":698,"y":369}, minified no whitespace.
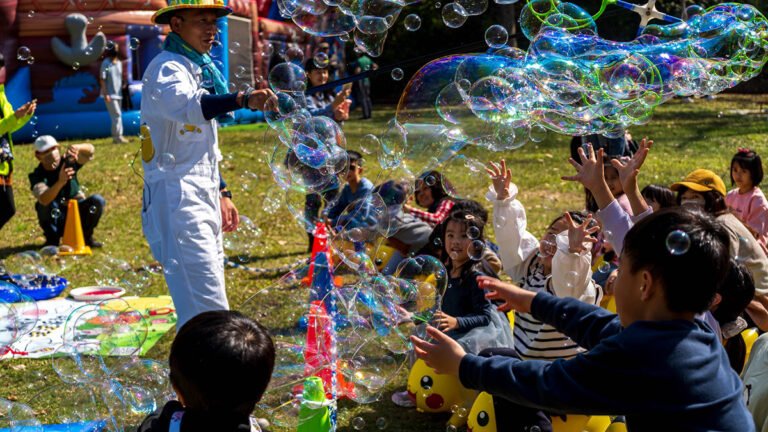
{"x":53,"y":51}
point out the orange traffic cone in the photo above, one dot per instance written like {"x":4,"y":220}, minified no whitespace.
{"x":319,"y":245}
{"x":73,"y":232}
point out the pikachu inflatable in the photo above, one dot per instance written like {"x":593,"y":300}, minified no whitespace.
{"x":482,"y":418}
{"x":436,"y":393}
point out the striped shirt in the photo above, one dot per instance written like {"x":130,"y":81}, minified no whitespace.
{"x":535,"y":340}
{"x":438,"y":216}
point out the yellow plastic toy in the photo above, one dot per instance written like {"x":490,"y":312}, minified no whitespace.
{"x":436,"y":393}
{"x":750,"y":336}
{"x":482,"y":416}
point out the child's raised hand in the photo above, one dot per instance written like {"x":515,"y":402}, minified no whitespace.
{"x":513,"y":296}
{"x":445,"y":322}
{"x":501,"y":177}
{"x":578,"y":234}
{"x":590,"y":171}
{"x":443,"y":355}
{"x":629,"y":168}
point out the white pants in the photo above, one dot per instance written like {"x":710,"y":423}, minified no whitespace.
{"x":181,"y":219}
{"x":115,"y":114}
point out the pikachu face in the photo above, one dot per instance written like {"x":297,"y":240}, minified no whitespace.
{"x":482,"y":416}
{"x":434,"y":392}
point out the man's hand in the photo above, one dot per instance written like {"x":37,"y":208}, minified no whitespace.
{"x":445,"y":322}
{"x":26,"y":110}
{"x":444,"y":355}
{"x":258,"y":98}
{"x":108,"y":98}
{"x":230,"y":218}
{"x":579,"y":234}
{"x":513,"y":296}
{"x":629,"y":168}
{"x":501,"y":177}
{"x":72,"y":153}
{"x":65,"y":174}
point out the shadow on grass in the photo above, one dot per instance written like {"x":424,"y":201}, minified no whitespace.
{"x":8,"y":251}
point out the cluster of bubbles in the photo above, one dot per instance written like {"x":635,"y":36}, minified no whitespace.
{"x":94,"y":388}
{"x":354,"y":335}
{"x":367,"y":23}
{"x":573,"y":82}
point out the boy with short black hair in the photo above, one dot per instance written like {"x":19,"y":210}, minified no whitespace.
{"x":654,"y":362}
{"x":221,"y":363}
{"x":357,"y":187}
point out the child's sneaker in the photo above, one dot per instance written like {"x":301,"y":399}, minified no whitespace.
{"x":402,"y":399}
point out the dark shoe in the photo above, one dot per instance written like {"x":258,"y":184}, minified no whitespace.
{"x":94,"y":243}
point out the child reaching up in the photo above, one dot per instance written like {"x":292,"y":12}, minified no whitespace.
{"x":558,"y":264}
{"x":654,"y":362}
{"x":747,"y":202}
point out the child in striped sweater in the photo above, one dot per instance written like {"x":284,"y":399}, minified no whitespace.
{"x":558,"y":264}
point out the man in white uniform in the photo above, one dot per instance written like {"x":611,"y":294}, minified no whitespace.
{"x":186,"y":205}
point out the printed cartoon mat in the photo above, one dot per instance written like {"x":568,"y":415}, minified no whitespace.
{"x":119,"y":327}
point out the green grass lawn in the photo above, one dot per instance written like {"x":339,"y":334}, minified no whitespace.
{"x":703,"y":134}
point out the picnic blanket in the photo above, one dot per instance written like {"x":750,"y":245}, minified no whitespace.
{"x":49,"y":316}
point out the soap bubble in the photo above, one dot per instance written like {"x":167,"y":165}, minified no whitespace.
{"x":397,"y":74}
{"x":166,"y":162}
{"x":496,"y":36}
{"x":381,"y":423}
{"x":454,"y":15}
{"x":358,"y":423}
{"x":75,"y":65}
{"x":23,"y":53}
{"x":473,"y":232}
{"x":412,"y":22}
{"x":476,"y":250}
{"x":31,"y":14}
{"x":134,"y":43}
{"x":678,"y":242}
{"x":321,"y":60}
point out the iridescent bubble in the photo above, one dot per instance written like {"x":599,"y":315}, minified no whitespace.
{"x":76,"y":66}
{"x":369,"y":144}
{"x":288,"y":78}
{"x":171,"y":266}
{"x":412,"y":22}
{"x":55,"y":213}
{"x":166,"y":162}
{"x":156,"y":94}
{"x":397,"y":74}
{"x":31,"y":14}
{"x":134,"y":43}
{"x":23,"y":53}
{"x":473,"y":232}
{"x":358,"y":423}
{"x":31,"y":60}
{"x":476,"y":250}
{"x":234,"y":47}
{"x":454,"y":15}
{"x":321,"y":60}
{"x":678,"y":242}
{"x":93,"y":209}
{"x":382,"y":423}
{"x":496,"y":36}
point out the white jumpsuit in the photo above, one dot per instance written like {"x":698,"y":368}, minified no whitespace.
{"x":181,"y":215}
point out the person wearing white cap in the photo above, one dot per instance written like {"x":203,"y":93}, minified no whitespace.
{"x":54,"y":182}
{"x":186,"y":206}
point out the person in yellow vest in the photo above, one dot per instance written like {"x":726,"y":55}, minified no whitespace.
{"x":10,"y":121}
